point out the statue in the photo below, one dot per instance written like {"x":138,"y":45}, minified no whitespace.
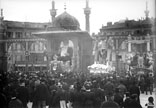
{"x":110,"y":47}
{"x":102,"y":50}
{"x":140,"y":61}
{"x":66,"y":51}
{"x":65,"y":55}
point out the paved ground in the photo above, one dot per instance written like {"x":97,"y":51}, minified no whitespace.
{"x":143,"y":99}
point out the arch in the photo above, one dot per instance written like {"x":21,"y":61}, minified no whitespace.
{"x":18,"y":47}
{"x":15,"y":54}
{"x":38,"y":46}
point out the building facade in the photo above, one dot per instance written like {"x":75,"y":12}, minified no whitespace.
{"x":21,"y":50}
{"x":131,"y":38}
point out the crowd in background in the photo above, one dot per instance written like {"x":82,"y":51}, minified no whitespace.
{"x":72,"y":90}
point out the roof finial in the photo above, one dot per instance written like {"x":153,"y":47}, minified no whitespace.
{"x":1,"y":12}
{"x":65,"y":7}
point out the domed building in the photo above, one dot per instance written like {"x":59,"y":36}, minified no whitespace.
{"x":65,"y":39}
{"x":66,"y":21}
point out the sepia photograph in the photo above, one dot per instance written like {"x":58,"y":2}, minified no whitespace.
{"x":77,"y":53}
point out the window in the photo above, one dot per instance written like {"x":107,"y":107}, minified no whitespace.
{"x":18,"y":57}
{"x":9,"y":34}
{"x":18,"y":34}
{"x":116,"y":33}
{"x":123,"y":33}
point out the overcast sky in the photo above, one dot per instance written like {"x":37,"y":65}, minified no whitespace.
{"x":102,"y":11}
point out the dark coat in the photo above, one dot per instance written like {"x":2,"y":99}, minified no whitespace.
{"x":15,"y":103}
{"x":135,"y":90}
{"x":134,"y":104}
{"x":77,"y":98}
{"x":109,"y":104}
{"x":118,"y":98}
{"x":109,"y":88}
{"x":3,"y":100}
{"x":23,"y":95}
{"x":126,"y":102}
{"x":88,"y":99}
{"x":41,"y":93}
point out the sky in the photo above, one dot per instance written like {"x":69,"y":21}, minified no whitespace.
{"x":102,"y":11}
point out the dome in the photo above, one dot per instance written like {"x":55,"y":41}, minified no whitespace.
{"x":66,"y":21}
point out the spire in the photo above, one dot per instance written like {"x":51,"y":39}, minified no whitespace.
{"x":87,"y":12}
{"x":87,"y":5}
{"x":65,"y":7}
{"x":146,"y":11}
{"x":53,"y":11}
{"x":53,"y":5}
{"x":1,"y":17}
{"x":1,"y":12}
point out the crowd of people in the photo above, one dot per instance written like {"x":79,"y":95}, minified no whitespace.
{"x":72,"y":90}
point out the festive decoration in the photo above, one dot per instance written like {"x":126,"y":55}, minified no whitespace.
{"x":100,"y":68}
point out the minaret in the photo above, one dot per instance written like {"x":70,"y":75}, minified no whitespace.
{"x":146,"y":11}
{"x":53,"y":11}
{"x":87,"y":12}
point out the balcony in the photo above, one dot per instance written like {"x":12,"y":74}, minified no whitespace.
{"x":30,"y":63}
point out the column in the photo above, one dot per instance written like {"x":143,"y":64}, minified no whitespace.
{"x":26,"y":56}
{"x":117,"y":43}
{"x":129,"y":43}
{"x":148,"y":46}
{"x":129,"y":46}
{"x":5,"y":57}
{"x":148,"y":42}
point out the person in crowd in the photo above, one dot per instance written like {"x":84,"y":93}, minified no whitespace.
{"x":134,"y":102}
{"x":150,"y":103}
{"x":62,"y":96}
{"x":148,"y":84}
{"x":109,"y":88}
{"x":118,"y":98}
{"x":31,"y":88}
{"x":76,"y":98}
{"x":55,"y":100}
{"x":23,"y":93}
{"x":110,"y":103}
{"x":77,"y":85}
{"x":3,"y":100}
{"x":99,"y":95}
{"x":127,"y":100}
{"x":40,"y":95}
{"x":134,"y":89}
{"x":88,"y":96}
{"x":15,"y":102}
{"x":142,"y":83}
{"x":122,"y":88}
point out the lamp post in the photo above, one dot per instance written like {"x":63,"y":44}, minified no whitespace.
{"x":46,"y":59}
{"x":117,"y":61}
{"x":27,"y":60}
